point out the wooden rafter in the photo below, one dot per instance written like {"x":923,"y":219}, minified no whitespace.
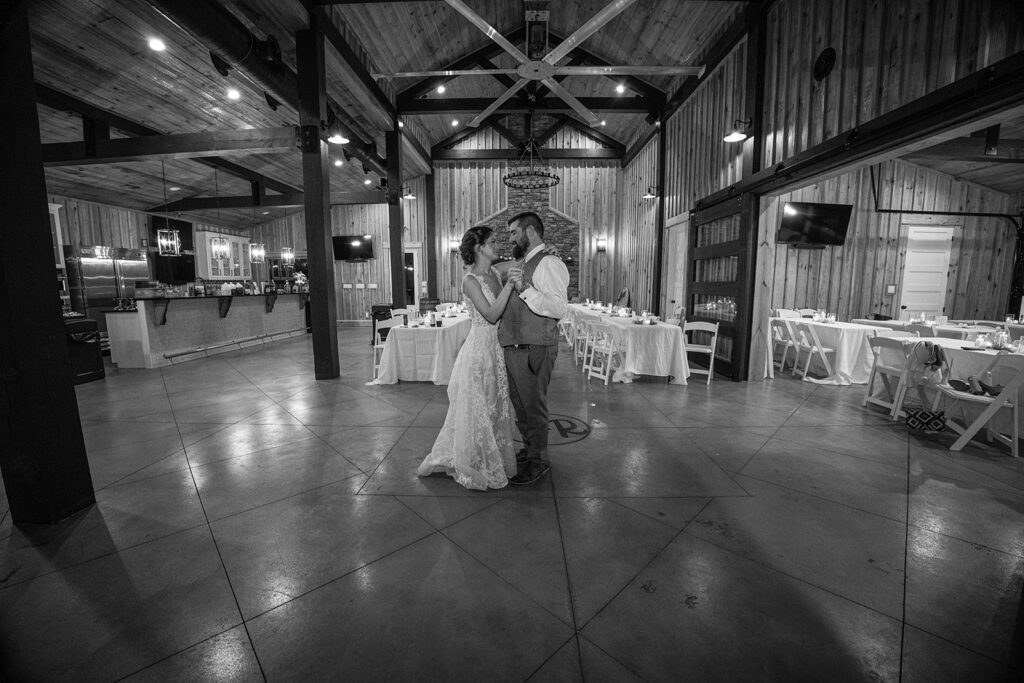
{"x":290,"y":200}
{"x":549,"y":105}
{"x":489,"y":154}
{"x":973,"y":149}
{"x":55,"y":99}
{"x":594,"y":134}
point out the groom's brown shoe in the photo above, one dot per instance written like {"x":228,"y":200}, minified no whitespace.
{"x":531,"y":473}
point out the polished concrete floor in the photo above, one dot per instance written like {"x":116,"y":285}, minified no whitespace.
{"x":254,"y":524}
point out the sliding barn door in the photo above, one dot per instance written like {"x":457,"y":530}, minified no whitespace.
{"x":722,"y":253}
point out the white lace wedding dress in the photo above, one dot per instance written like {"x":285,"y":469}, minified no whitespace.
{"x":475,"y":444}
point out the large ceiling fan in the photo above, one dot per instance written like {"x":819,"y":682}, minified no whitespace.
{"x":538,"y":66}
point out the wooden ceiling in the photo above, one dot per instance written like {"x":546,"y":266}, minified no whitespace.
{"x":91,"y":57}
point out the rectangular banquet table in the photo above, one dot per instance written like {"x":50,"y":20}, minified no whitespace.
{"x":657,"y":350}
{"x":851,"y":363}
{"x":423,"y":354}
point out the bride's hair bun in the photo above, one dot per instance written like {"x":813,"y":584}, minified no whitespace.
{"x":474,"y":237}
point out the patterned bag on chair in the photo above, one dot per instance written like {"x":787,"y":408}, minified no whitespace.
{"x":925,"y":420}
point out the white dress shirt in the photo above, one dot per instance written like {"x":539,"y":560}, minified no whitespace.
{"x":549,"y":294}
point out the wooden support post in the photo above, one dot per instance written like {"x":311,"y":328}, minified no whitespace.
{"x":396,"y":220}
{"x":430,"y":244}
{"x":42,"y":451}
{"x":661,"y":258}
{"x":309,"y":52}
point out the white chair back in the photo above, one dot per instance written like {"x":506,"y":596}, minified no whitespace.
{"x":698,"y":330}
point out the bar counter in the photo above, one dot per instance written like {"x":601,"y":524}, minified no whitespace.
{"x":168,"y":330}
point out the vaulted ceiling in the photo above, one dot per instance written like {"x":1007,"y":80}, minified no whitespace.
{"x":96,"y":78}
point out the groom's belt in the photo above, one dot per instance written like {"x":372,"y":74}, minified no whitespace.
{"x":522,"y":346}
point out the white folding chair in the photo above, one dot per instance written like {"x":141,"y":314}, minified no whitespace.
{"x":806,"y":312}
{"x":692,"y":330}
{"x":921,"y":330}
{"x":566,"y":325}
{"x":605,"y":354}
{"x":781,"y":336}
{"x":950,"y":332}
{"x":890,"y":365}
{"x":581,"y":342}
{"x":786,"y":313}
{"x":807,"y":340}
{"x":1007,"y":372}
{"x":592,"y":329}
{"x":380,"y":339}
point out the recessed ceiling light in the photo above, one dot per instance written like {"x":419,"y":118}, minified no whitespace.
{"x":157,"y":45}
{"x":401,"y":124}
{"x":603,"y":122}
{"x":441,"y":89}
{"x":265,"y":213}
{"x":338,"y":162}
{"x":367,"y":181}
{"x":620,"y":88}
{"x":233,"y":94}
{"x":173,"y":188}
{"x":455,"y":122}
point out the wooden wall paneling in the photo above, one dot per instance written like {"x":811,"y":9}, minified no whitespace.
{"x":632,"y":247}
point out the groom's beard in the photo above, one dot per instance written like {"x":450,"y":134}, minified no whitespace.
{"x":518,"y":251}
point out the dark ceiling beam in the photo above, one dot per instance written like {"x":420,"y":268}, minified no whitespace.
{"x":504,"y":79}
{"x":655,"y":95}
{"x":471,"y":105}
{"x":594,"y":134}
{"x":177,"y":146}
{"x":458,"y":136}
{"x":55,"y":99}
{"x":504,"y":132}
{"x":494,"y":154}
{"x":425,"y":85}
{"x":973,"y":150}
{"x":974,"y":99}
{"x":217,"y":29}
{"x":740,"y":27}
{"x":290,"y":200}
{"x":352,"y":61}
{"x":575,"y":59}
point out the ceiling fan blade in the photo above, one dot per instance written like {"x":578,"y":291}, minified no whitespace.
{"x":455,"y":72}
{"x":577,"y":106}
{"x":489,"y":30}
{"x":629,"y":70}
{"x":493,"y":107}
{"x":609,"y":12}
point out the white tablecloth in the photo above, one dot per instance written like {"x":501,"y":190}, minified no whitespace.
{"x":423,"y":354}
{"x":851,"y":363}
{"x":657,"y":350}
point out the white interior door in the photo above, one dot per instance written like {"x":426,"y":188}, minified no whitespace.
{"x":675,"y":269}
{"x":925,"y":271}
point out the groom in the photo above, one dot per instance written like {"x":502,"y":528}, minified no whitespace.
{"x":528,"y":333}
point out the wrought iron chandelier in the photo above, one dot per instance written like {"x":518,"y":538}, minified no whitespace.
{"x":530,"y":173}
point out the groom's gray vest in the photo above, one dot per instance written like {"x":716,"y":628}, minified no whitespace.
{"x":520,"y":325}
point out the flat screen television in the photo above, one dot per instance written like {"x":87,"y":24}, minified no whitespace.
{"x":813,"y":225}
{"x":353,"y":247}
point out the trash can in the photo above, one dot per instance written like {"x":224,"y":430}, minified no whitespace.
{"x":84,"y":349}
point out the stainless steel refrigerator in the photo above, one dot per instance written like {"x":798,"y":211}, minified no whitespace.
{"x":97,"y":276}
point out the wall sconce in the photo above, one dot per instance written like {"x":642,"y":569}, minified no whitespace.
{"x":168,"y":243}
{"x":739,"y":130}
{"x":652,"y":192}
{"x":287,"y":256}
{"x":256,"y":252}
{"x":218,"y":248}
{"x":407,"y":193}
{"x":602,"y":244}
{"x":453,"y":245}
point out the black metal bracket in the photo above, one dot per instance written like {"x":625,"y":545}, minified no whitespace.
{"x":163,"y":314}
{"x":271,"y":299}
{"x":224,"y":305}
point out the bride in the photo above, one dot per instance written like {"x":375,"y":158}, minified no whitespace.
{"x":475,"y":444}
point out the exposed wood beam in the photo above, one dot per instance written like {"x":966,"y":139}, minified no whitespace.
{"x":246,"y":201}
{"x":656,"y":97}
{"x":973,"y":150}
{"x":422,"y":87}
{"x":177,"y":146}
{"x":459,"y":136}
{"x":744,"y":23}
{"x":504,"y":79}
{"x":504,"y":132}
{"x":55,"y":99}
{"x":468,"y":105}
{"x":352,"y":61}
{"x":638,"y":146}
{"x":485,"y":154}
{"x":594,"y":134}
{"x":973,"y":100}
